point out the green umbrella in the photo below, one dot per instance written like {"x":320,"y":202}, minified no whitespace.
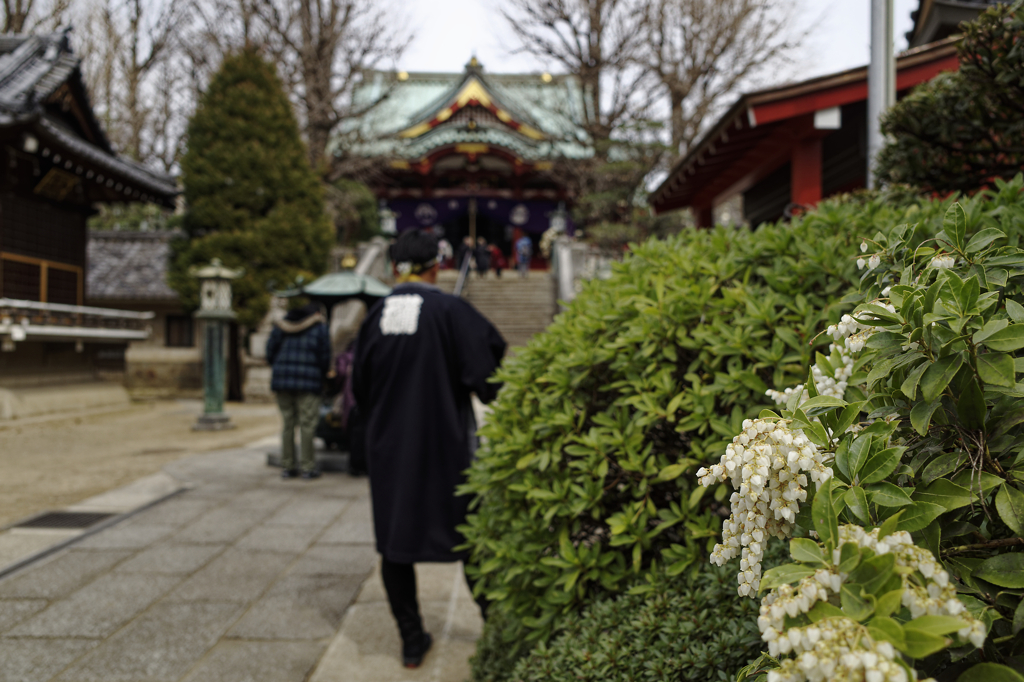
{"x":344,"y":285}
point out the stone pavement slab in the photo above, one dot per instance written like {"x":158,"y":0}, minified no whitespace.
{"x":258,"y":662}
{"x":367,"y":647}
{"x":226,"y":580}
{"x":242,"y":576}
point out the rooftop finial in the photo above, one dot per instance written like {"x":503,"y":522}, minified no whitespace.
{"x":474,"y":65}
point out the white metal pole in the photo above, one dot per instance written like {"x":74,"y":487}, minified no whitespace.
{"x":881,"y":79}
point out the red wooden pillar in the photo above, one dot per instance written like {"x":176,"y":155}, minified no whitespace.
{"x":805,"y":164}
{"x":704,"y":216}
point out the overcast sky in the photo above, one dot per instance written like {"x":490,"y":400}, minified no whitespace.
{"x":449,"y":32}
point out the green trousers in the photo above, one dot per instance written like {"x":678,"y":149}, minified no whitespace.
{"x":303,"y":408}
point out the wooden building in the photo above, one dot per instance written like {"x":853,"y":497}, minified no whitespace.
{"x":57,"y":164}
{"x":785,"y":148}
{"x":472,"y":153}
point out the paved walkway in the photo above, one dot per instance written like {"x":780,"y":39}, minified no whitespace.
{"x":241,"y":576}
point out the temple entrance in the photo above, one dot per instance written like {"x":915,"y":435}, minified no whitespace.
{"x":458,"y":228}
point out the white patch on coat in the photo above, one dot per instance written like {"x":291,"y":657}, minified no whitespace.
{"x":401,"y":314}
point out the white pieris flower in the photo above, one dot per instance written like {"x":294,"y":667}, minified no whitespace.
{"x":863,"y":247}
{"x":840,"y":648}
{"x":942,"y":262}
{"x":874,"y":261}
{"x":860,"y":263}
{"x":766,"y":464}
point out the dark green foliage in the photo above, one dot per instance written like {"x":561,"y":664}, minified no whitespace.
{"x":681,"y":628}
{"x":253,"y":200}
{"x":960,"y":130}
{"x":354,"y":211}
{"x":962,"y":428}
{"x":586,"y":478}
{"x":133,"y":216}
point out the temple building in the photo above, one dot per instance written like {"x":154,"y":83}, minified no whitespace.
{"x":781,"y":150}
{"x":57,"y":164}
{"x":473,"y":154}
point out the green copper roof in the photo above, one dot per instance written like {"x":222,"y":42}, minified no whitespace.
{"x":396,"y":102}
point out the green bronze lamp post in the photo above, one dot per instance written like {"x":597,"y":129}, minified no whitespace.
{"x":214,"y":314}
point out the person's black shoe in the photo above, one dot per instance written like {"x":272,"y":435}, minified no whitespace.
{"x":289,"y":473}
{"x":414,"y":651}
{"x":312,"y":473}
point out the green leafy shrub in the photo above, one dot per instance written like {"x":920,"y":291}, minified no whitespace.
{"x":579,"y":485}
{"x":253,"y":200}
{"x":960,"y":130}
{"x":935,"y":452}
{"x":672,"y":628}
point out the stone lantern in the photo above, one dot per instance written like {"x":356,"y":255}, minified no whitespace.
{"x":214,"y":313}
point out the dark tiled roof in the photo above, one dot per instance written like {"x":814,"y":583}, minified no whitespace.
{"x":34,"y":67}
{"x":129,"y":266}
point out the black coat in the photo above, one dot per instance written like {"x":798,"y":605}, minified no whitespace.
{"x":420,"y":354}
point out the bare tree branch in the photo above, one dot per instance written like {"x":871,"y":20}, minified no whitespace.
{"x":703,"y":50}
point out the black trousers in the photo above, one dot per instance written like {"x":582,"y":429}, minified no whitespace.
{"x":400,"y":584}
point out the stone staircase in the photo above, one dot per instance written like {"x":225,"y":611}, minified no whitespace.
{"x":518,"y":307}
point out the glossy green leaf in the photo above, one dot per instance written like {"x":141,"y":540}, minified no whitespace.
{"x":806,"y":550}
{"x":909,"y":385}
{"x":970,"y":406}
{"x":854,"y":606}
{"x":823,"y":513}
{"x":990,"y":672}
{"x":918,"y":515}
{"x":938,"y":376}
{"x":997,"y":369}
{"x":921,"y":415}
{"x":889,"y":603}
{"x":889,"y":526}
{"x":1010,"y":505}
{"x":820,"y":405}
{"x":1014,"y":310}
{"x":823,"y":610}
{"x":936,"y":625}
{"x":919,"y":644}
{"x":886,"y":494}
{"x":784,"y":575}
{"x":873,"y":573}
{"x":857,"y":502}
{"x":884,"y":628}
{"x":1007,"y":339}
{"x":983,"y":238}
{"x":1004,"y":570}
{"x":880,"y":465}
{"x":946,"y":494}
{"x":849,"y":557}
{"x":954,"y":224}
{"x":851,"y":461}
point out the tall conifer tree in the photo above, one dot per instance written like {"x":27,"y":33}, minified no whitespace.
{"x":253,"y":200}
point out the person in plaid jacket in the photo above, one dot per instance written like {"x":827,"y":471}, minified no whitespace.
{"x":299,"y":353}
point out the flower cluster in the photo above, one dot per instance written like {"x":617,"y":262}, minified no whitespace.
{"x":942,"y":262}
{"x":841,"y":647}
{"x":768,"y":464}
{"x":872,"y":262}
{"x":932,"y":596}
{"x":547,"y":240}
{"x":833,"y":384}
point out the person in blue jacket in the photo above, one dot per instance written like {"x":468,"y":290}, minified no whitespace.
{"x":299,"y":353}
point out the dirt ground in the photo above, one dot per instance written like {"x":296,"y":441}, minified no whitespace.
{"x":53,"y":463}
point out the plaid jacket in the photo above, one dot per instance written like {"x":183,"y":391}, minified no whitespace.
{"x":300,"y":355}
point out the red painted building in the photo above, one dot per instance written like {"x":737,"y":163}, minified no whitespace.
{"x":788,"y":147}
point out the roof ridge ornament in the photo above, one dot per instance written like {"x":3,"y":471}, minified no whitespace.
{"x":474,"y":66}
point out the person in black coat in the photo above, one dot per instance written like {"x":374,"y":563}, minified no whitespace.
{"x":420,"y":354}
{"x":299,"y":353}
{"x":482,"y":255}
